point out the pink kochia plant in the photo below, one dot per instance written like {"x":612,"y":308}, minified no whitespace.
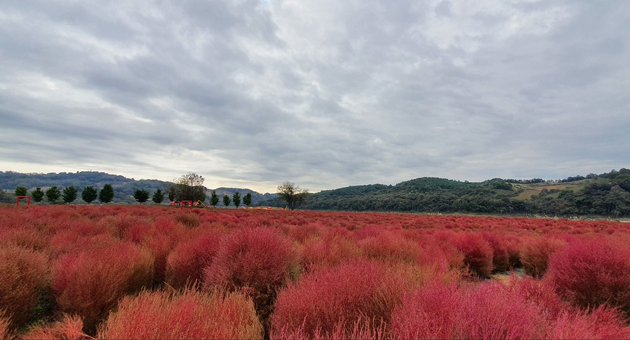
{"x":478,"y":253}
{"x":23,"y":277}
{"x":186,"y":262}
{"x":183,"y":315}
{"x":592,"y":272}
{"x":255,"y":260}
{"x":520,"y":309}
{"x":339,"y":299}
{"x":89,"y":284}
{"x":69,"y":328}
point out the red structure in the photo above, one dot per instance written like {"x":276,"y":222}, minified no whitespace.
{"x":183,"y":203}
{"x":17,"y":204}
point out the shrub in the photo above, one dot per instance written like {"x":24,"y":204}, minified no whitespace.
{"x":487,"y":311}
{"x":592,"y":272}
{"x":23,"y":278}
{"x":429,"y":313}
{"x":186,"y":315}
{"x":440,"y":253}
{"x":323,"y":299}
{"x":600,"y":323}
{"x":535,"y":254}
{"x":69,"y":328}
{"x":24,"y":237}
{"x":256,"y":260}
{"x":358,"y":330}
{"x":187,"y":261}
{"x":490,"y":311}
{"x":5,"y":326}
{"x":187,"y":219}
{"x":89,"y":284}
{"x":160,"y":238}
{"x":331,"y":250}
{"x":500,"y":254}
{"x":477,"y":252}
{"x":390,"y":247}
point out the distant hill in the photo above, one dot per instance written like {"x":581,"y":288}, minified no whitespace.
{"x":123,"y":187}
{"x":606,"y":194}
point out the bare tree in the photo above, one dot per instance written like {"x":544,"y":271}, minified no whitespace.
{"x":292,"y":194}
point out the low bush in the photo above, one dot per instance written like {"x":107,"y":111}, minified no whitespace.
{"x":5,"y":326}
{"x":390,"y":247}
{"x":186,"y":315}
{"x":478,"y":254}
{"x":358,"y":330}
{"x":329,"y":298}
{"x":186,"y":262}
{"x":500,"y":254}
{"x":23,"y":277}
{"x":429,"y":313}
{"x":256,"y":260}
{"x":69,"y":328}
{"x":330,"y":250}
{"x":536,"y":252}
{"x":600,"y":323}
{"x":591,"y":272}
{"x":89,"y":284}
{"x":486,"y":311}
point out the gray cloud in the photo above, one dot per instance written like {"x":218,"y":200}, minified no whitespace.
{"x":326,"y":93}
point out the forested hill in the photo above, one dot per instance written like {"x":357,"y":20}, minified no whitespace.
{"x":606,"y":194}
{"x":123,"y":187}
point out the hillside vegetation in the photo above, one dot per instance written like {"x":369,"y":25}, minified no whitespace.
{"x":606,"y":194}
{"x":124,"y":187}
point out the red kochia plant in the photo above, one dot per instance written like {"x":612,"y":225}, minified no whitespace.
{"x":592,"y":272}
{"x":477,"y":252}
{"x":357,"y":330}
{"x":501,"y":256}
{"x":437,"y":311}
{"x":186,"y":262}
{"x":69,"y":328}
{"x":160,"y":238}
{"x":333,"y":248}
{"x":535,"y":254}
{"x":429,"y":313}
{"x":600,"y":323}
{"x":326,"y":297}
{"x":187,"y":315}
{"x":5,"y":326}
{"x":23,"y":277}
{"x":391,"y":247}
{"x":89,"y":284}
{"x":256,"y":260}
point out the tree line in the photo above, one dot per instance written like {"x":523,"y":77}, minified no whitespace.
{"x":68,"y":194}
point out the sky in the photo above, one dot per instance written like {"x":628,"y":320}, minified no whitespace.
{"x":322,"y":93}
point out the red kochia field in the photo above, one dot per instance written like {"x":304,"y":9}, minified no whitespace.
{"x":156,"y":272}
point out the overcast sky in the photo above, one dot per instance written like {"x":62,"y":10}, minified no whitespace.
{"x":323,"y":93}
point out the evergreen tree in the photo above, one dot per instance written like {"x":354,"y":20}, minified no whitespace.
{"x":247,"y":199}
{"x":89,"y":194}
{"x":69,"y":194}
{"x":38,"y":195}
{"x":107,"y":194}
{"x":21,"y":191}
{"x":141,"y":195}
{"x":226,"y":200}
{"x":158,"y":196}
{"x":236,"y":198}
{"x":214,"y":199}
{"x":53,"y":194}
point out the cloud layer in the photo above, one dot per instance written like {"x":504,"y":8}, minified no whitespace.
{"x":323,"y":93}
